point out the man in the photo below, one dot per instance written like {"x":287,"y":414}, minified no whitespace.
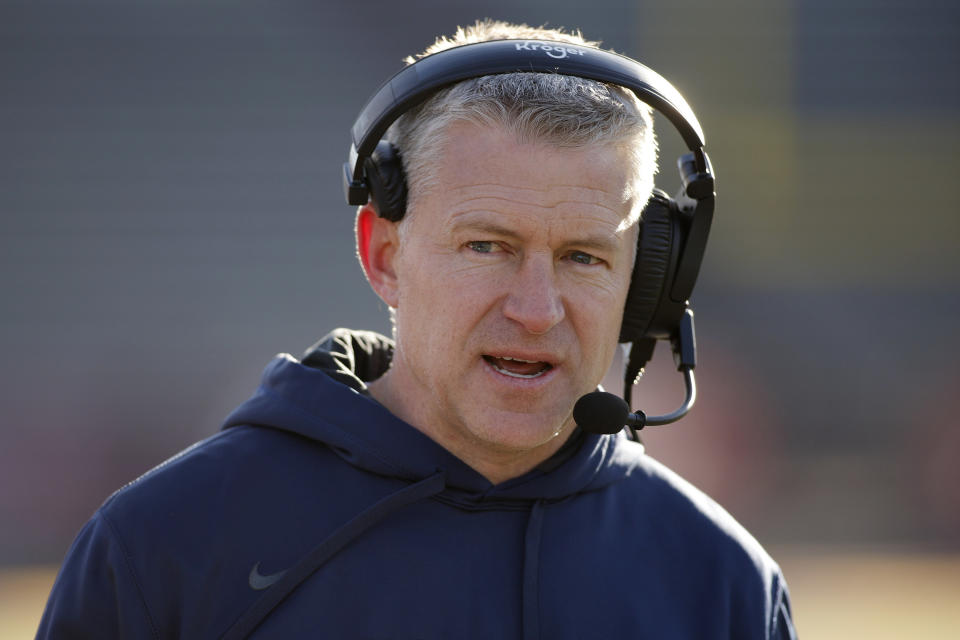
{"x":436,"y":486}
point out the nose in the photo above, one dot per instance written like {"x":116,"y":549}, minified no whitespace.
{"x":534,"y":299}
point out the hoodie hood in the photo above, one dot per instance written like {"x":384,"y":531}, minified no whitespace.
{"x":323,"y":397}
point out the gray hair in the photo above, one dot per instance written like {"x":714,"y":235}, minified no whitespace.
{"x":564,"y":111}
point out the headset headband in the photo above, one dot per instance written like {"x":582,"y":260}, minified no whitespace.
{"x":416,"y":82}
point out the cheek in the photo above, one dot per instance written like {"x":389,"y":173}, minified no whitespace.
{"x":450,"y":285}
{"x":597,"y":313}
{"x":602,"y":296}
{"x":437,"y":307}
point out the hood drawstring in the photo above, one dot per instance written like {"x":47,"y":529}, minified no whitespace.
{"x":531,"y":573}
{"x":340,"y":538}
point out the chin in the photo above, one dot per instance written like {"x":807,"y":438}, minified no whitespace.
{"x":522,"y":432}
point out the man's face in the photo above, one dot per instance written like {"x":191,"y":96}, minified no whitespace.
{"x":511,"y":275}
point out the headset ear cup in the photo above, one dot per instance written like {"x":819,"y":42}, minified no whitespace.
{"x":386,"y":181}
{"x":651,"y":269}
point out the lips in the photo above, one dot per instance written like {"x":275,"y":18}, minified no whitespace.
{"x":518,"y":367}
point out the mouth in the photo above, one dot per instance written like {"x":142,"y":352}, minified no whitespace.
{"x":518,"y":367}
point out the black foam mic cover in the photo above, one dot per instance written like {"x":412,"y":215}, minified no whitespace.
{"x":601,"y":412}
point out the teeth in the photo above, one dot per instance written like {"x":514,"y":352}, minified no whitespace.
{"x":519,"y":375}
{"x":514,"y":374}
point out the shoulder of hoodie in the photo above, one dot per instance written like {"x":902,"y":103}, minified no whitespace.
{"x":217,"y":466}
{"x":655,"y":491}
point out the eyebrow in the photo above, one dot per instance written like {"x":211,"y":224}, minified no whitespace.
{"x":484,"y":226}
{"x":596,"y":242}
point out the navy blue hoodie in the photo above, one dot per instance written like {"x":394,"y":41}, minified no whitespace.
{"x":317,"y":513}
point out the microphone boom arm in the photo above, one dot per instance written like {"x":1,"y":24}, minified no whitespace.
{"x":691,"y":397}
{"x":684,"y":346}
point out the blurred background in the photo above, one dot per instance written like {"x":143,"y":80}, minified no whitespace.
{"x":171,"y":217}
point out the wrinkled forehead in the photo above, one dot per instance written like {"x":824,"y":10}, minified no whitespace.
{"x":489,"y":168}
{"x":488,"y":153}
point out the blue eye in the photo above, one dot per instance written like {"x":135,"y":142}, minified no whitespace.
{"x":482,"y":246}
{"x":583,"y":258}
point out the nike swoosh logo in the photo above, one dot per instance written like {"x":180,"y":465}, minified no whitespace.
{"x":259,"y":582}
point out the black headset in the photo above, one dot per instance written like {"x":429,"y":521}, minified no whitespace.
{"x":673,"y":231}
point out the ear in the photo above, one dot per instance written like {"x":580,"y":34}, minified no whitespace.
{"x":377,"y":245}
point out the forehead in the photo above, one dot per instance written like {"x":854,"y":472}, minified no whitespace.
{"x":486,"y":169}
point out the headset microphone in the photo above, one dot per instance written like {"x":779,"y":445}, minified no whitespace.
{"x":605,"y":413}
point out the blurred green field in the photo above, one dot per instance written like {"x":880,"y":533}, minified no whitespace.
{"x":835,"y":595}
